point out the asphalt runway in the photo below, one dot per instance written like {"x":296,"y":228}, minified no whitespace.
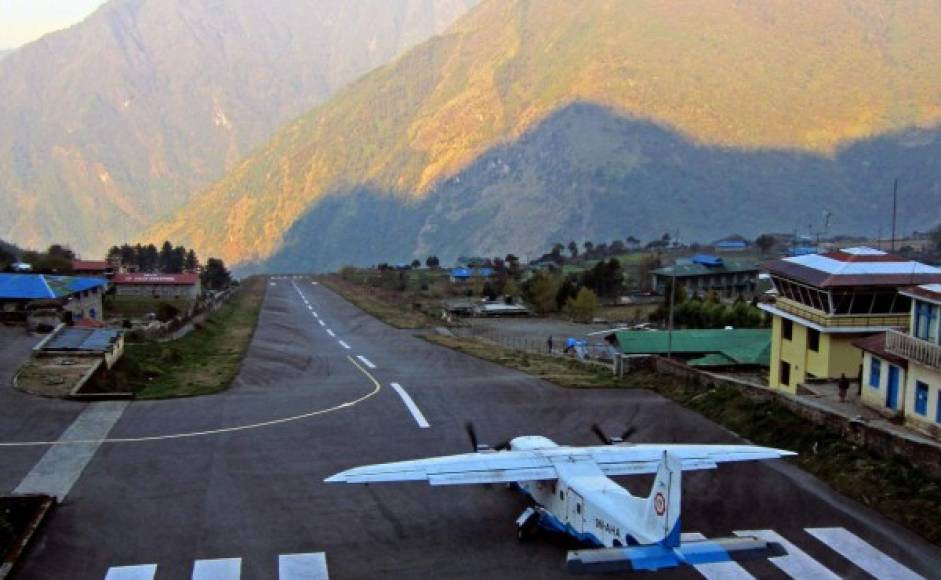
{"x":255,"y":493}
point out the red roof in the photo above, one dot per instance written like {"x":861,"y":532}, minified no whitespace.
{"x":875,"y":344}
{"x":89,"y":323}
{"x":89,"y":265}
{"x":931,"y":292}
{"x":187,"y":279}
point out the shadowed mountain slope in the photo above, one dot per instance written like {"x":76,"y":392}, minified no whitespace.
{"x":798,"y":77}
{"x":587,"y":173}
{"x":113,"y":123}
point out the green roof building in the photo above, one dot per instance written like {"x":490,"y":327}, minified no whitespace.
{"x":701,"y":348}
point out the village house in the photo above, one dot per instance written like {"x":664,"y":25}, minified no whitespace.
{"x":94,"y":268}
{"x":67,"y":298}
{"x":704,"y":273}
{"x":902,"y":368}
{"x":184,"y":286}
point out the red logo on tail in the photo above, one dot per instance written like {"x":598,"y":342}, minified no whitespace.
{"x":660,"y":504}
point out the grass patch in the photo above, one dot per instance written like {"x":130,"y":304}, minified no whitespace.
{"x":203,"y":362}
{"x":565,"y":372}
{"x":888,"y":484}
{"x":388,"y":306}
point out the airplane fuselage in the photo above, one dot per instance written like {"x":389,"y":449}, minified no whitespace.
{"x":582,"y":502}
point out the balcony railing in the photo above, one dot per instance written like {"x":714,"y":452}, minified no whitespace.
{"x":843,"y":320}
{"x":914,"y":349}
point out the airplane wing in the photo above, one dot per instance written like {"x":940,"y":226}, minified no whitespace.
{"x":645,"y":458}
{"x":464,"y":469}
{"x":539,"y":464}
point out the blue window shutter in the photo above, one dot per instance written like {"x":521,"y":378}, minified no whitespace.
{"x":875,"y":372}
{"x":921,"y":398}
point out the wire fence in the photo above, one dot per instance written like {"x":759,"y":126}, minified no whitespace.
{"x":594,"y":354}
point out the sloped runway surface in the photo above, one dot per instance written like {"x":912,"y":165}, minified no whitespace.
{"x":231,"y":486}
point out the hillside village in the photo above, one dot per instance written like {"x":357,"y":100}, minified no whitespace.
{"x":841,"y":320}
{"x":312,"y":289}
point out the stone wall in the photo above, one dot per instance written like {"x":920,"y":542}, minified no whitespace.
{"x":871,"y":436}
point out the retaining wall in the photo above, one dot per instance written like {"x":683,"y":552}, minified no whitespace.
{"x":871,"y":436}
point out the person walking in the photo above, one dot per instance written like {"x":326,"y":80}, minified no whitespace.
{"x":843,"y":385}
{"x":549,"y":345}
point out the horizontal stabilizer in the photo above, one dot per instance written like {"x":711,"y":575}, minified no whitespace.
{"x":657,"y":557}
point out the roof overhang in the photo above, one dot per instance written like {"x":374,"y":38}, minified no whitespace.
{"x":823,"y":329}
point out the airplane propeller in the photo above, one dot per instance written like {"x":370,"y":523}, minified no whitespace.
{"x":478,"y":446}
{"x":612,"y":440}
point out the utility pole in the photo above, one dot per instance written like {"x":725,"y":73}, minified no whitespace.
{"x":895,"y":203}
{"x":672,"y":304}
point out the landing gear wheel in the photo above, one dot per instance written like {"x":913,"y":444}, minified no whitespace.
{"x":528,"y":529}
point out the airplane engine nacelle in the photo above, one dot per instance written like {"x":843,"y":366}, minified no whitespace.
{"x":531,"y":442}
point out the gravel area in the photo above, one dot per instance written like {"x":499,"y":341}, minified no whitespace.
{"x":531,"y":328}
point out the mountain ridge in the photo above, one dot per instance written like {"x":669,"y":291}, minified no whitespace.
{"x":722,"y":74}
{"x":118,"y":120}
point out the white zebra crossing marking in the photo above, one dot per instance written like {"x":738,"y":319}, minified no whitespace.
{"x":309,"y":566}
{"x":220,"y":569}
{"x":718,"y":570}
{"x":303,"y":567}
{"x":863,"y":555}
{"x":142,"y":572}
{"x":797,"y":563}
{"x":62,"y":465}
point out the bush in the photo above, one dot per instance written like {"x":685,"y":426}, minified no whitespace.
{"x":166,"y":312}
{"x":583,"y":307}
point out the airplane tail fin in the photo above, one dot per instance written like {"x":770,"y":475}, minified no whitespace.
{"x":661,"y":514}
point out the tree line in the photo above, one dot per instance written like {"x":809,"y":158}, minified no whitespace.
{"x":169,"y":259}
{"x":708,"y":311}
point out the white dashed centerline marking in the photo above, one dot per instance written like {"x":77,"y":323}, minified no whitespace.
{"x":365,"y":361}
{"x":316,"y":315}
{"x":344,"y":345}
{"x":410,"y":404}
{"x":322,"y":323}
{"x":330,"y":332}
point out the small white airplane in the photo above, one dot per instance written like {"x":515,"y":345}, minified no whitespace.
{"x":571,"y":493}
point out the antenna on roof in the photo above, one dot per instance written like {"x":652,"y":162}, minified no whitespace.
{"x":895,"y":202}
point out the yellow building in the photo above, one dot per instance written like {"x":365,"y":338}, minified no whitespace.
{"x":827,"y":301}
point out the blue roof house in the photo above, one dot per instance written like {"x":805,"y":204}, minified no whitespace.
{"x":80,"y":298}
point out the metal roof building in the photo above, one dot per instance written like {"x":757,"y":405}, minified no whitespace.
{"x":737,"y":347}
{"x":703,"y":273}
{"x":43,"y":287}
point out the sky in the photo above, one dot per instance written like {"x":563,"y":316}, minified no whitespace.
{"x":23,"y":21}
